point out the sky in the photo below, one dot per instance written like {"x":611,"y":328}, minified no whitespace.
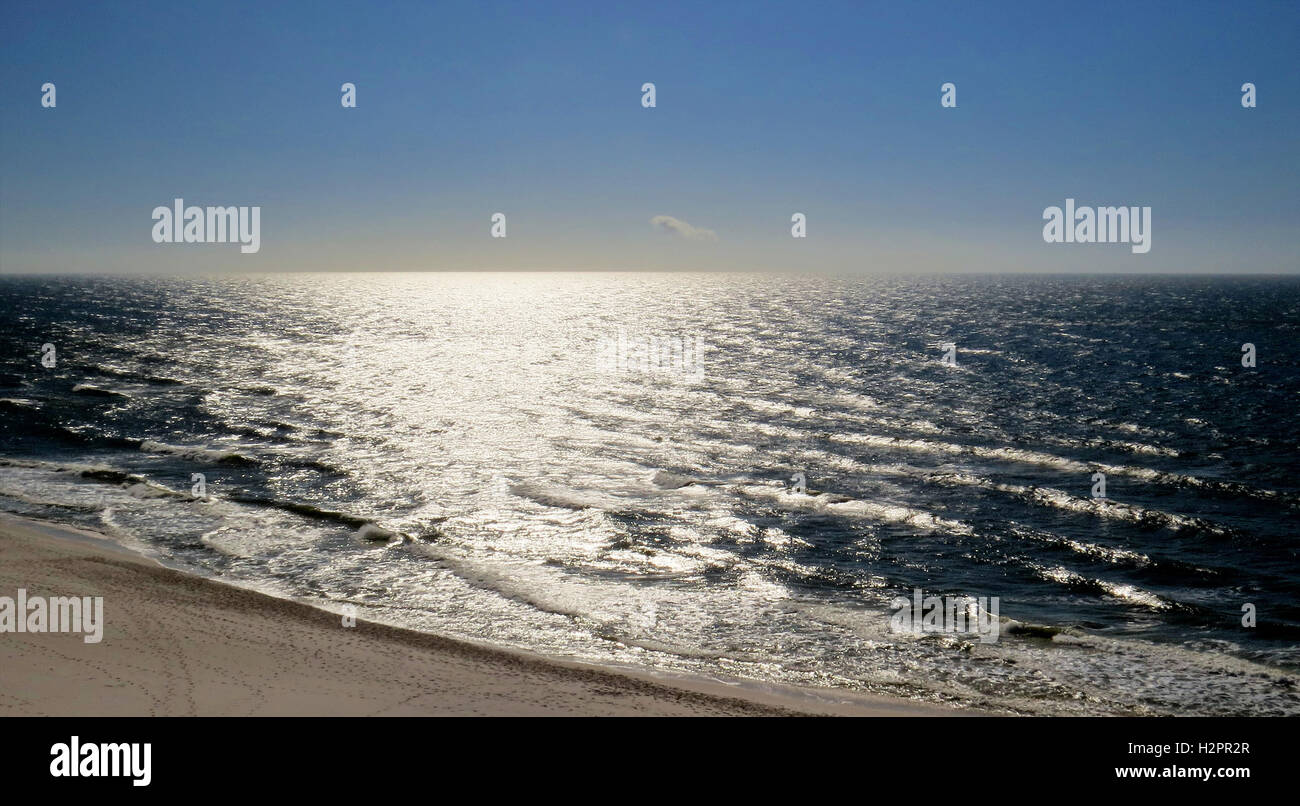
{"x":762,"y":110}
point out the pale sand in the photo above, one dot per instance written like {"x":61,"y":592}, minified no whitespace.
{"x":176,"y":644}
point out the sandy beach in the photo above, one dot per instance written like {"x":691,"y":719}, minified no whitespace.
{"x":178,"y":645}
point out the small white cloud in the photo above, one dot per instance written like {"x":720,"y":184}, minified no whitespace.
{"x":676,"y":226}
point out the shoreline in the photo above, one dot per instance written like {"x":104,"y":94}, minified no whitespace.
{"x":176,"y":643}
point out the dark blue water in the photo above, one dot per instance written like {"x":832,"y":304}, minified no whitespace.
{"x":452,"y":453}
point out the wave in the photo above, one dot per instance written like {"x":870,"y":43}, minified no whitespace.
{"x":1099,"y":507}
{"x":845,"y":506}
{"x":1130,"y":594}
{"x":1042,"y":459}
{"x":111,"y":371}
{"x":215,"y":456}
{"x":1095,"y":551}
{"x":365,"y":528}
{"x":671,"y":481}
{"x":139,"y":487}
{"x":90,"y":390}
{"x":1047,"y":497}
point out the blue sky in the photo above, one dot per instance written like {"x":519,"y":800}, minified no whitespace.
{"x":533,"y":109}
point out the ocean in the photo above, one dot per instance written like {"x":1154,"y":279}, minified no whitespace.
{"x":731,"y":476}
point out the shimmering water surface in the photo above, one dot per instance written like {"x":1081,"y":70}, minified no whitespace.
{"x":452,"y":452}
